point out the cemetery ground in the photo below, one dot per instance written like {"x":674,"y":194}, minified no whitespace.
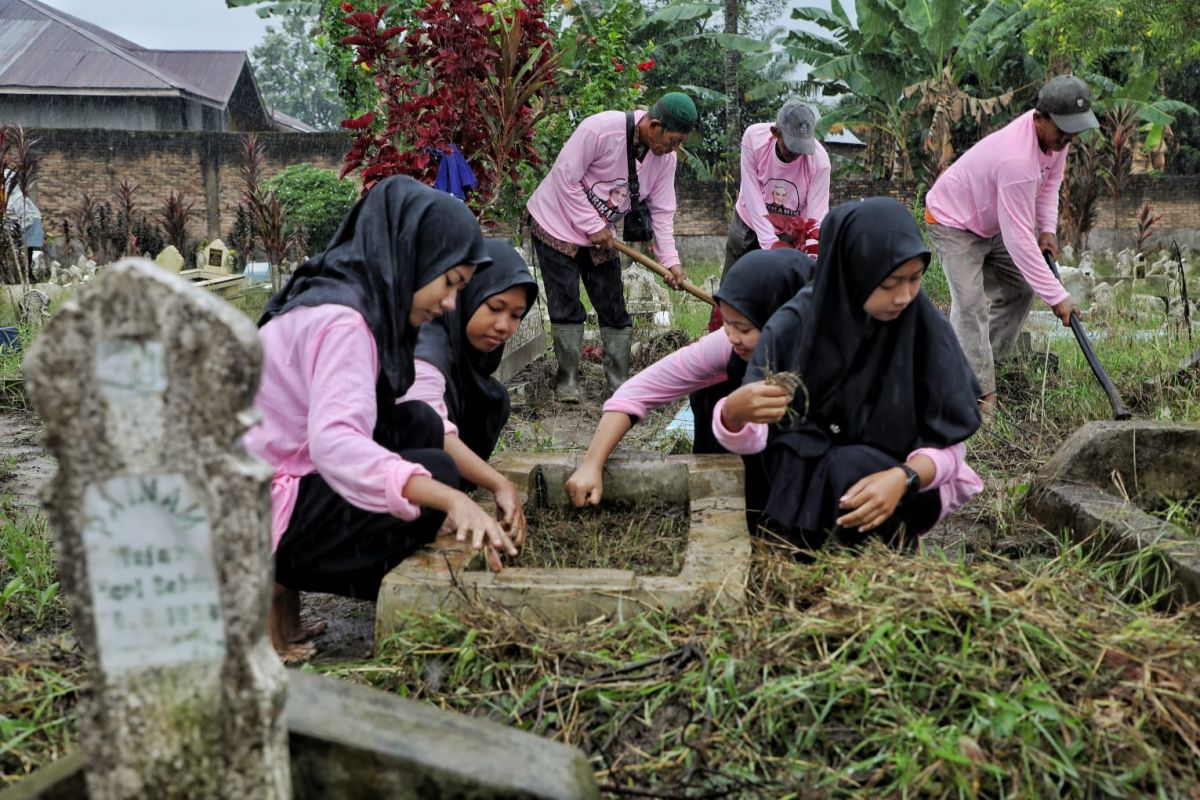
{"x":1001,"y":661}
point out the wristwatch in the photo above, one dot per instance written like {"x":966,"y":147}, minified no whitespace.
{"x":912,"y":484}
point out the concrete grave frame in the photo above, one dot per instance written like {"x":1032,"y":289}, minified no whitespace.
{"x":1079,"y":490}
{"x":716,"y":559}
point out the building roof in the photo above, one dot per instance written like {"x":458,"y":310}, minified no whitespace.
{"x":43,"y":50}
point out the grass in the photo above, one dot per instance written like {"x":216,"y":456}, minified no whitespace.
{"x":1025,"y":668}
{"x":39,"y":673}
{"x":861,"y":675}
{"x":649,"y":540}
{"x":29,"y":588}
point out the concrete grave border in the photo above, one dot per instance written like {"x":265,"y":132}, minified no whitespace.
{"x":1078,"y":491}
{"x":716,"y":559}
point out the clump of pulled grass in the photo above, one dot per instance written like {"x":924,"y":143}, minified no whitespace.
{"x":865,"y":675}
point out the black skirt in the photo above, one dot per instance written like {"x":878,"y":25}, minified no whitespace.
{"x":333,"y":546}
{"x":798,"y":498}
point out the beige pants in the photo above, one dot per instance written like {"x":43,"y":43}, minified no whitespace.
{"x":989,"y":299}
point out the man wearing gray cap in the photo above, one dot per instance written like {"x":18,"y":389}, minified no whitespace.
{"x":785,"y":180}
{"x":993,"y":212}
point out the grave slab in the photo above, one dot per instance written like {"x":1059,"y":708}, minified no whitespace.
{"x":1102,"y":477}
{"x":715,"y":564}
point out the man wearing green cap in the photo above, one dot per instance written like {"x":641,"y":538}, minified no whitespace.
{"x":573,"y":217}
{"x":993,"y":212}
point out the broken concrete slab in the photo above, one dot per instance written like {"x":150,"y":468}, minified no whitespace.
{"x":349,"y":741}
{"x":1093,"y":486}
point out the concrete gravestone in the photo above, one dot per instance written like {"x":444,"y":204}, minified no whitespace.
{"x":162,"y":529}
{"x":144,"y":383}
{"x":170,"y":259}
{"x":215,"y":257}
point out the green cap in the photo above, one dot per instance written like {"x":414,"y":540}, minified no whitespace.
{"x":676,"y":111}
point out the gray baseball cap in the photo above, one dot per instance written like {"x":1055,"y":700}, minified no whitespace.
{"x":1068,"y":101}
{"x":795,"y":124}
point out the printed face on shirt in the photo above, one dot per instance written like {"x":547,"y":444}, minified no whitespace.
{"x":438,"y":296}
{"x":609,"y":198}
{"x":497,"y":319}
{"x":896,"y":291}
{"x":740,"y":331}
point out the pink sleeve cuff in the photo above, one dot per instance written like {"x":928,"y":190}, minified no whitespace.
{"x":752,"y":438}
{"x":399,"y":505}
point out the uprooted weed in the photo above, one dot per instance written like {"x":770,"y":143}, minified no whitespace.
{"x":858,"y":675}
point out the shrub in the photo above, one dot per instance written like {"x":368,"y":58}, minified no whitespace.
{"x":315,"y":199}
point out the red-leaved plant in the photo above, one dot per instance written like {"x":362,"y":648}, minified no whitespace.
{"x":463,"y":78}
{"x":798,"y":233}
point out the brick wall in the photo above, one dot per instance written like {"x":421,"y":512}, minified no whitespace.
{"x":204,"y":165}
{"x":1177,"y":199}
{"x":201,"y":164}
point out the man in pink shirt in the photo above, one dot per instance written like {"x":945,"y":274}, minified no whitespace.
{"x":573,"y":214}
{"x":993,"y":212}
{"x":785,"y":177}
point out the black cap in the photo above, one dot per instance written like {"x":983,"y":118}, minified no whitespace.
{"x":1068,"y":101}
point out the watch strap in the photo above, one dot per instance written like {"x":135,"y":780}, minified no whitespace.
{"x":912,"y":485}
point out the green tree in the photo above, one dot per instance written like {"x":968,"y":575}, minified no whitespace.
{"x":293,"y":76}
{"x":1078,"y":34}
{"x":696,"y":51}
{"x":916,"y":74}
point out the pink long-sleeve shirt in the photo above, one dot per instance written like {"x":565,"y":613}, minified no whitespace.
{"x":429,"y":386}
{"x":588,"y":187}
{"x":702,"y":363}
{"x":317,"y":401}
{"x":955,"y":481}
{"x":1006,"y":185}
{"x":770,"y":186}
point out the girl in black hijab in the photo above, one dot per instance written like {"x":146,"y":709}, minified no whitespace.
{"x":456,"y":356}
{"x":751,"y":290}
{"x":361,"y":482}
{"x":887,"y":396}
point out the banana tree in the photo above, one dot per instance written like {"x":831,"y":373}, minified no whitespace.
{"x":931,"y":63}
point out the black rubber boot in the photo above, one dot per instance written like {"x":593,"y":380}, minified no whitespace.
{"x":568,"y":341}
{"x":617,"y":344}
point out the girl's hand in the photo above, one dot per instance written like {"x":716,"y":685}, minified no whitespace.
{"x":586,"y":485}
{"x":511,"y":513}
{"x":755,"y":402}
{"x":873,"y":499}
{"x":470,"y":522}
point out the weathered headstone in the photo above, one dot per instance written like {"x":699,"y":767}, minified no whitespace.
{"x":215,"y":257}
{"x":35,"y":306}
{"x":170,"y":259}
{"x":162,"y":526}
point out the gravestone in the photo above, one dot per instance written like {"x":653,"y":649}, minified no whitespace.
{"x":215,"y":257}
{"x":35,"y":306}
{"x":162,"y":524}
{"x":170,"y":259}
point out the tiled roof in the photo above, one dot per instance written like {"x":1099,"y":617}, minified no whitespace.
{"x":44,"y":50}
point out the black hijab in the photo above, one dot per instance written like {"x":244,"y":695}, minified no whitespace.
{"x":895,"y":385}
{"x":761,"y":281}
{"x":756,"y":285}
{"x":398,"y":238}
{"x":477,"y":403}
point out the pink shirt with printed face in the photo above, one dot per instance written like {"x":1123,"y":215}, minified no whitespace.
{"x":1005,"y":185}
{"x":588,"y":187}
{"x":771,"y":187}
{"x":317,"y":401}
